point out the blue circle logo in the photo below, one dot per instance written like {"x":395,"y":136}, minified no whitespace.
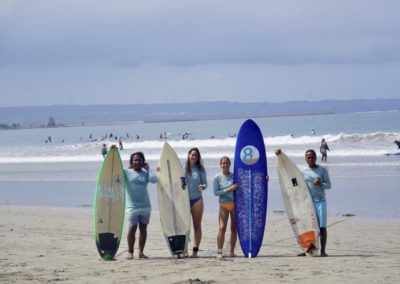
{"x":249,"y":155}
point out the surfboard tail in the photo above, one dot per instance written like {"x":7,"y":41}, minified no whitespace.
{"x":308,"y":241}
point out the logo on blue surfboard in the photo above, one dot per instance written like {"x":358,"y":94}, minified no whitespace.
{"x":249,"y":155}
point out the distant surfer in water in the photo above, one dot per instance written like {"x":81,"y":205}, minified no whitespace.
{"x":323,"y":149}
{"x":104,"y":150}
{"x":196,"y":179}
{"x":138,"y":207}
{"x":317,"y":180}
{"x":224,"y":188}
{"x":397,"y":142}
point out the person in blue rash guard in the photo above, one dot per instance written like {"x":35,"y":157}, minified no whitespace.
{"x":317,"y":180}
{"x":138,"y":207}
{"x":224,"y":188}
{"x":196,"y":179}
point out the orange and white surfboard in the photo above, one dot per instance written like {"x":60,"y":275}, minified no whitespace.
{"x":298,"y":205}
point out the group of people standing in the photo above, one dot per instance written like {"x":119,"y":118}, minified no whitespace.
{"x":138,"y":207}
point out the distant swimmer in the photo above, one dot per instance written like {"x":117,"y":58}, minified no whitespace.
{"x":397,"y":142}
{"x":323,"y":149}
{"x":104,"y":150}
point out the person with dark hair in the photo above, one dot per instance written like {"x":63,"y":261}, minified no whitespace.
{"x":196,"y":179}
{"x":397,"y":142}
{"x":138,"y":207}
{"x":224,"y":188}
{"x":317,"y":180}
{"x":104,"y":150}
{"x":323,"y":149}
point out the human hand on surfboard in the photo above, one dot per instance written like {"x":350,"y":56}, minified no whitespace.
{"x":232,"y":188}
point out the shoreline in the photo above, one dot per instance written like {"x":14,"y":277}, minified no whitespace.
{"x":57,"y":244}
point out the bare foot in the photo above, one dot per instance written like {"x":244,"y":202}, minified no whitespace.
{"x":130,"y":256}
{"x":143,"y":256}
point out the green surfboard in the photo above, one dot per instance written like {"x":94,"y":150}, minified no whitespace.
{"x":109,"y":205}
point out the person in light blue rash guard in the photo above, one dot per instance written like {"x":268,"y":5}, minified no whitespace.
{"x":138,"y":207}
{"x":317,"y":180}
{"x":224,"y":188}
{"x":196,"y":179}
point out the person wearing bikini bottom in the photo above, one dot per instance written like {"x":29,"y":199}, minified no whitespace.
{"x":224,"y":188}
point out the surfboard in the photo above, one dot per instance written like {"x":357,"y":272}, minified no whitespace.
{"x":109,"y":205}
{"x":250,"y":171}
{"x":173,"y":202}
{"x":298,"y":204}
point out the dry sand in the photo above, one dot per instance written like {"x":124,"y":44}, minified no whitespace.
{"x":39,"y":245}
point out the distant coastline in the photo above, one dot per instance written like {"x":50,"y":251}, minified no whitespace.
{"x":160,"y":121}
{"x":32,"y":117}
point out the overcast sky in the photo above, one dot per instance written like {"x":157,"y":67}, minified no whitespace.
{"x":157,"y":51}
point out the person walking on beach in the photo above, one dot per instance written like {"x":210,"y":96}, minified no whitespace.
{"x":224,"y":188}
{"x":104,"y":150}
{"x":317,"y":180}
{"x":323,"y":149}
{"x":196,"y":179}
{"x":138,"y":207}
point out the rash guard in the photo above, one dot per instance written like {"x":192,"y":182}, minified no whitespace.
{"x":317,"y":191}
{"x":137,"y":196}
{"x":221,"y":184}
{"x":197,"y":177}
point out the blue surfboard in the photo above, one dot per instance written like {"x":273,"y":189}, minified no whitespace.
{"x":250,"y":171}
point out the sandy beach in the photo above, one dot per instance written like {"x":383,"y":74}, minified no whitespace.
{"x":41,"y":244}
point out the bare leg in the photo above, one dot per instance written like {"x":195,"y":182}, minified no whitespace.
{"x":223,"y":221}
{"x":142,"y":239}
{"x":131,"y":240}
{"x":197,"y":214}
{"x":233,"y":234}
{"x":323,"y":237}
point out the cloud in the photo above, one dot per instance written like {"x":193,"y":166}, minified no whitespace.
{"x":130,"y":51}
{"x":178,"y":32}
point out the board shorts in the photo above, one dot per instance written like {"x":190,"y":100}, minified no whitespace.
{"x":141,"y":216}
{"x":229,"y":206}
{"x":192,"y":202}
{"x":320,"y":210}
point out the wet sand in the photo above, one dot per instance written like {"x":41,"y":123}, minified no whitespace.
{"x":41,"y":244}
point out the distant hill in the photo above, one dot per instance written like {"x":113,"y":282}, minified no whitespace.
{"x":38,"y":116}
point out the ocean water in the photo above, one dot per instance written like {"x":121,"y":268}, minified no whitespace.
{"x":365,"y":179}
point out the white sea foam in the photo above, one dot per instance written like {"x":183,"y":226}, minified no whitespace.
{"x":342,"y":145}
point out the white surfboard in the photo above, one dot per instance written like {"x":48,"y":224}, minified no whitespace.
{"x":173,"y":200}
{"x":109,"y":205}
{"x":298,"y":205}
